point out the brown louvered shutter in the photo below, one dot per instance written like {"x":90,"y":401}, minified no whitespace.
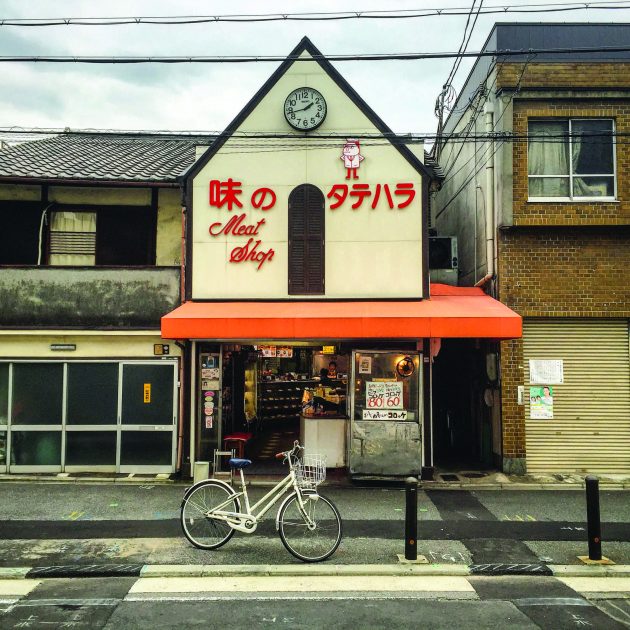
{"x":306,"y":240}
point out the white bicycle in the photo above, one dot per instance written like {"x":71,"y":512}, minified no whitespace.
{"x":308,"y":523}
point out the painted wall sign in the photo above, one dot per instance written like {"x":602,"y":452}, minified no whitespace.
{"x":146,"y":396}
{"x":384,"y":395}
{"x":546,"y":371}
{"x":227,"y":194}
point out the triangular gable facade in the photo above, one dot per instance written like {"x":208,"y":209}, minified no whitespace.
{"x":373,"y":226}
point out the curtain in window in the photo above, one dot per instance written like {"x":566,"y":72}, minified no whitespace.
{"x":592,"y":154}
{"x":72,"y":238}
{"x":548,"y":154}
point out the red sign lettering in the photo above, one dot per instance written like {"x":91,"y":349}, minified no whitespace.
{"x":250,"y":252}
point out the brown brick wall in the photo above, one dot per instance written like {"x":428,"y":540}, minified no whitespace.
{"x":572,"y":212}
{"x":563,"y":74}
{"x":565,"y":272}
{"x":513,"y":414}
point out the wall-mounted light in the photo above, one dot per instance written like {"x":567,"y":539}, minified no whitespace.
{"x":405,"y":367}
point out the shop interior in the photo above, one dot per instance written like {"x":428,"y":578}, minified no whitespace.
{"x":270,"y":391}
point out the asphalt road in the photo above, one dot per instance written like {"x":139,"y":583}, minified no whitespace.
{"x":476,"y":602}
{"x":44,"y":524}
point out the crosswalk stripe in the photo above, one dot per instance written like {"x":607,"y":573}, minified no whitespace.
{"x":17,"y":587}
{"x":300,"y":584}
{"x":598,"y":584}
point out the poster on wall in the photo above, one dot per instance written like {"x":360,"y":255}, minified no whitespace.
{"x":546,"y":371}
{"x":384,"y":395}
{"x":365,"y":365}
{"x":541,"y":403}
{"x":284,"y":352}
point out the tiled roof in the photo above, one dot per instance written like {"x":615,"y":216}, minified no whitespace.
{"x":118,"y":157}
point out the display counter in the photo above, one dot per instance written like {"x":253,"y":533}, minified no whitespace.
{"x":325,"y":435}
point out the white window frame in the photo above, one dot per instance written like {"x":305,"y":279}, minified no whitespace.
{"x":571,"y":174}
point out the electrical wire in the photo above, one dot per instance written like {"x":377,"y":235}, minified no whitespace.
{"x":275,"y":58}
{"x":172,"y":20}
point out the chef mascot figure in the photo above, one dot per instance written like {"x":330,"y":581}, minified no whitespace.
{"x":352,"y":158}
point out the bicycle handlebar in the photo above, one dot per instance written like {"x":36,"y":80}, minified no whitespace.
{"x":284,"y":455}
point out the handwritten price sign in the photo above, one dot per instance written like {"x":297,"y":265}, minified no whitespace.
{"x":387,"y":395}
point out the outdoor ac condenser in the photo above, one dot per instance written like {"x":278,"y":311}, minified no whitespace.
{"x":443,"y":265}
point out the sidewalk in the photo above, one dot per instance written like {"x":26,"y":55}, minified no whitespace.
{"x":467,"y":480}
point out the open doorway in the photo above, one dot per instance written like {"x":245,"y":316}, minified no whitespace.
{"x":269,"y":389}
{"x":466,"y":406}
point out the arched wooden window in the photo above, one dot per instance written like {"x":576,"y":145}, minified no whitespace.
{"x":306,"y":240}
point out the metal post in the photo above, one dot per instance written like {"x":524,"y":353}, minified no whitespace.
{"x":593,"y":519}
{"x":411,"y":518}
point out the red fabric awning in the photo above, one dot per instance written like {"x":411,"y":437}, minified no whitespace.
{"x":450,"y":312}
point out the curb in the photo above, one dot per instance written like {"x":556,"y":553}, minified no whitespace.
{"x":217,"y":570}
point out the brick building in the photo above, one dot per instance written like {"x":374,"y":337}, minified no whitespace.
{"x":542,"y":215}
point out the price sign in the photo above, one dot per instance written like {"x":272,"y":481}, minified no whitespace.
{"x":388,"y":395}
{"x":378,"y":414}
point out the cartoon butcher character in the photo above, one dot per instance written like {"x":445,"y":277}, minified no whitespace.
{"x":352,"y":157}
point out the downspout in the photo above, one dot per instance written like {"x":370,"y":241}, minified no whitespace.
{"x":182,"y":346}
{"x":490,"y":221}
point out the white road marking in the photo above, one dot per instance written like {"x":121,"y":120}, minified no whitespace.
{"x":597,"y":584}
{"x":17,"y":587}
{"x":302,"y":584}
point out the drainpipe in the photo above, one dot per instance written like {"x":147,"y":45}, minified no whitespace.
{"x":490,"y":223}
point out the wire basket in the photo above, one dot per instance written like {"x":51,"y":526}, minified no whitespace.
{"x":310,"y":471}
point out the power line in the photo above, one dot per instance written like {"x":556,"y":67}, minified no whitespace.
{"x":401,"y":138}
{"x":545,"y":7}
{"x":275,"y":58}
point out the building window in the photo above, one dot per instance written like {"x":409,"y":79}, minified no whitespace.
{"x":306,"y":241}
{"x":571,"y":158}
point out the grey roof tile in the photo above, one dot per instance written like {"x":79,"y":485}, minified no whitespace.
{"x":118,"y":157}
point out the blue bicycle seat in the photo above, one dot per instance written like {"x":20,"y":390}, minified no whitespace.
{"x":237,"y":463}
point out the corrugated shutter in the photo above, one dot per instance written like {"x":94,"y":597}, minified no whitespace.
{"x":590,"y":430}
{"x":306,"y":240}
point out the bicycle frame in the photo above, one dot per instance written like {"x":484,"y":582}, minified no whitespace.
{"x":248,"y":520}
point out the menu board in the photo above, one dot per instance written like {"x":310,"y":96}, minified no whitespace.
{"x":384,"y":395}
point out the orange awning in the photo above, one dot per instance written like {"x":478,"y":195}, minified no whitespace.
{"x":451,"y":312}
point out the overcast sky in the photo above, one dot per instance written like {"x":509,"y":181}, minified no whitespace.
{"x":207,"y":97}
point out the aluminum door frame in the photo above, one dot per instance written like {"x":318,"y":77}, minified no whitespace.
{"x":351,"y":393}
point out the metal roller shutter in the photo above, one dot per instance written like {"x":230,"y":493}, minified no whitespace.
{"x":590,"y":430}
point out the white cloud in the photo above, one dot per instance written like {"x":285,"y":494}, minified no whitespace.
{"x":207,"y":97}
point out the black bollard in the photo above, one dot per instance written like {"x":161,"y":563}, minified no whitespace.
{"x":593,"y":519}
{"x":411,"y":518}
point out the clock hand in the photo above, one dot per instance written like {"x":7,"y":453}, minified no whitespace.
{"x":295,"y":111}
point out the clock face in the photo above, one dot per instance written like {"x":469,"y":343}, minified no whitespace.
{"x":305,"y":109}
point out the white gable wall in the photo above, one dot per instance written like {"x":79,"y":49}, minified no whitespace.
{"x":369,"y":253}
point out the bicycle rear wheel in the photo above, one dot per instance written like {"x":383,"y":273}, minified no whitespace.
{"x":310,"y":545}
{"x":204,"y":532}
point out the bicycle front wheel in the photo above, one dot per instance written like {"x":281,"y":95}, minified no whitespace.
{"x":204,"y":532}
{"x":321,"y":539}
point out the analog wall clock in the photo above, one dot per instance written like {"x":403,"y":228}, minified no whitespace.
{"x":305,"y":109}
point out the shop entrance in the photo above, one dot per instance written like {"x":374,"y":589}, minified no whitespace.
{"x":466,"y":410}
{"x":273,"y":395}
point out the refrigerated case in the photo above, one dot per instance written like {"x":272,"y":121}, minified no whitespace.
{"x":385,"y":435}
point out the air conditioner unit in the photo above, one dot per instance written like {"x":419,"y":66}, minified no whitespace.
{"x":443,"y":263}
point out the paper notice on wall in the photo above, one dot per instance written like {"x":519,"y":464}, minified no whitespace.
{"x":365,"y":365}
{"x":209,"y":384}
{"x":541,"y":403}
{"x":546,"y":371}
{"x":388,"y":395}
{"x":209,"y":422}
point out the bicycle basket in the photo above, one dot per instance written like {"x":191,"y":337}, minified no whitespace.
{"x":310,"y":471}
